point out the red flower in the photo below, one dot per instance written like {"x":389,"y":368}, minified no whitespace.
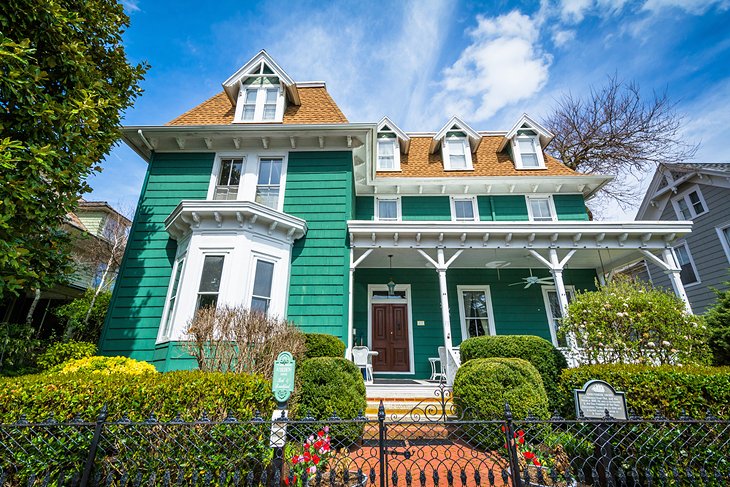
{"x":529,"y":455}
{"x":521,"y":439}
{"x":320,"y":434}
{"x":293,"y":480}
{"x":503,"y":428}
{"x":307,"y":456}
{"x":520,"y":433}
{"x":536,"y":462}
{"x":317,"y":444}
{"x":505,"y":446}
{"x":315,"y":459}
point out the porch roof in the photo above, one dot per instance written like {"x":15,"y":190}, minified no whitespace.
{"x":597,"y":244}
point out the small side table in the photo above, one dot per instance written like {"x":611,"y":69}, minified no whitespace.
{"x":435,"y":375}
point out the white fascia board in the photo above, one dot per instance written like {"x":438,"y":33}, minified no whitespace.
{"x":231,"y":85}
{"x":474,"y":137}
{"x":545,"y":135}
{"x":402,"y":136}
{"x":490,"y":234}
{"x":592,"y":182}
{"x":189,"y":214}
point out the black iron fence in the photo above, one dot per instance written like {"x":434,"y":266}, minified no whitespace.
{"x":425,"y":448}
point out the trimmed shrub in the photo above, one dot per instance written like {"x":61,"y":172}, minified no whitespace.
{"x":188,"y":393}
{"x":105,"y":366}
{"x":673,"y":390}
{"x":61,"y":352}
{"x":482,"y":387}
{"x":323,"y":345}
{"x":328,"y":386}
{"x":539,"y":352}
{"x":718,"y":322}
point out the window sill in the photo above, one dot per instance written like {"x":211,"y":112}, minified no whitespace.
{"x":541,"y":168}
{"x":388,"y":170}
{"x":464,"y":169}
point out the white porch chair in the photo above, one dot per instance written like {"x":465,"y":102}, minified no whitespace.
{"x":440,"y":363}
{"x":362,"y":359}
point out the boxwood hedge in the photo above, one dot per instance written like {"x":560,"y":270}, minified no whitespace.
{"x":323,"y":345}
{"x":672,"y":390}
{"x":539,"y":352}
{"x":186,"y":392}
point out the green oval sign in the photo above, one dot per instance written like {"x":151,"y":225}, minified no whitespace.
{"x":283,"y":383}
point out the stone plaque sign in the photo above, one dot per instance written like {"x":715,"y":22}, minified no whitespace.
{"x":277,"y":439}
{"x":596,"y":398}
{"x":283,"y":383}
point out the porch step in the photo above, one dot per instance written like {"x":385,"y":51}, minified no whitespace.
{"x":406,"y":408}
{"x":409,"y":431}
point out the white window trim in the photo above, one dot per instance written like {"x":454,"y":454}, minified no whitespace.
{"x":396,"y":154}
{"x":691,"y":262}
{"x":277,"y":291}
{"x":447,"y":159}
{"x":685,"y":196}
{"x":258,"y":116}
{"x":570,"y":291}
{"x":474,"y":206}
{"x":399,"y":214}
{"x":518,"y":155}
{"x":724,"y":241}
{"x":249,"y":174}
{"x":161,"y":335}
{"x":462,"y":310}
{"x":219,"y":156}
{"x":409,"y":305}
{"x":551,"y":205}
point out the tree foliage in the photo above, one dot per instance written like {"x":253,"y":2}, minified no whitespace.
{"x":718,"y":321}
{"x":64,"y":82}
{"x":627,"y":321}
{"x":617,"y":131}
{"x":83,"y":318}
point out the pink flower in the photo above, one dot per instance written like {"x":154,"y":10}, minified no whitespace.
{"x":312,"y":470}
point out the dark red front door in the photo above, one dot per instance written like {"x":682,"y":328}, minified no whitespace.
{"x":390,"y":338}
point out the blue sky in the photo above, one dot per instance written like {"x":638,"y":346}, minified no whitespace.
{"x":419,"y":62}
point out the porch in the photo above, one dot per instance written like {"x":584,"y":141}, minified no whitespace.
{"x":453,"y":280}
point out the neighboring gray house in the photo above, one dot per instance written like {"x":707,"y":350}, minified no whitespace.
{"x":700,"y":193}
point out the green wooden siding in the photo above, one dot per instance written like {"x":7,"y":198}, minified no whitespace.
{"x":509,"y":208}
{"x":364,"y":208}
{"x":485,"y":208}
{"x":426,"y":208}
{"x":139,"y":295}
{"x":570,"y":207}
{"x":517,"y":311}
{"x":320,"y":189}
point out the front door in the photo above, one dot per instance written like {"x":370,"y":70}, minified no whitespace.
{"x":390,"y":337}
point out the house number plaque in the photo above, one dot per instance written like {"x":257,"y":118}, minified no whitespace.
{"x":283,"y":383}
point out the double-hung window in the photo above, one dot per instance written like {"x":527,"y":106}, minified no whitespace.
{"x":262,"y":284}
{"x":260,"y":98}
{"x":269,"y":182}
{"x":456,"y":153}
{"x":210,"y":281}
{"x":476,"y":311}
{"x":272,"y":94}
{"x":690,"y":204}
{"x":249,"y":104}
{"x":463,"y":209}
{"x":723,"y":233}
{"x":388,"y":154}
{"x":170,"y":308}
{"x":555,"y":312}
{"x":387,"y":209}
{"x":688,"y":273}
{"x":229,"y":177}
{"x":540,"y":208}
{"x":527,"y":150}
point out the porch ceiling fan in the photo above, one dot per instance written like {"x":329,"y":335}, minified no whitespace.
{"x":530,"y":280}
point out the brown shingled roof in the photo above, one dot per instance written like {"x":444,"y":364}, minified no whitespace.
{"x":317,"y":106}
{"x":418,"y":163}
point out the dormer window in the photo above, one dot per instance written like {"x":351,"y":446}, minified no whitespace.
{"x":390,"y":138}
{"x":456,"y":152}
{"x":527,"y":151}
{"x":260,"y":97}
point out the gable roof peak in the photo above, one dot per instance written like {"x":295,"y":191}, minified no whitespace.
{"x":455,"y":123}
{"x":545,"y":135}
{"x":256,"y":65}
{"x":387,"y":124}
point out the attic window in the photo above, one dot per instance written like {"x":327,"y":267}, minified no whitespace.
{"x":260,"y":98}
{"x":526,"y":149}
{"x":456,"y":152}
{"x":388,"y":150}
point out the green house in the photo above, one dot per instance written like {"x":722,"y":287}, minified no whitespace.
{"x":266,"y":196}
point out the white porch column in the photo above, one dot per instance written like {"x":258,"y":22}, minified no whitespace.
{"x":351,"y":299}
{"x":445,"y":318}
{"x":674,"y":276}
{"x":556,"y":269}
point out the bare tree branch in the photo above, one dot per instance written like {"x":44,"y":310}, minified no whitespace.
{"x":615,"y":131}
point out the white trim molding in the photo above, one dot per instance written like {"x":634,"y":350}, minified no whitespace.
{"x":551,"y":206}
{"x":684,"y":197}
{"x":398,"y":210}
{"x":691,"y":262}
{"x":723,"y":233}
{"x":484,"y":288}
{"x":474,"y":206}
{"x":570,"y":295}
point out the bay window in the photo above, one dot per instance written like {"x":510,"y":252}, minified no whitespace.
{"x":210,"y":281}
{"x":261,"y":293}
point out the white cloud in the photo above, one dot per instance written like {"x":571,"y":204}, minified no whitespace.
{"x":562,"y":37}
{"x":131,"y":5}
{"x":695,"y":7}
{"x":502,"y":65}
{"x":574,"y":10}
